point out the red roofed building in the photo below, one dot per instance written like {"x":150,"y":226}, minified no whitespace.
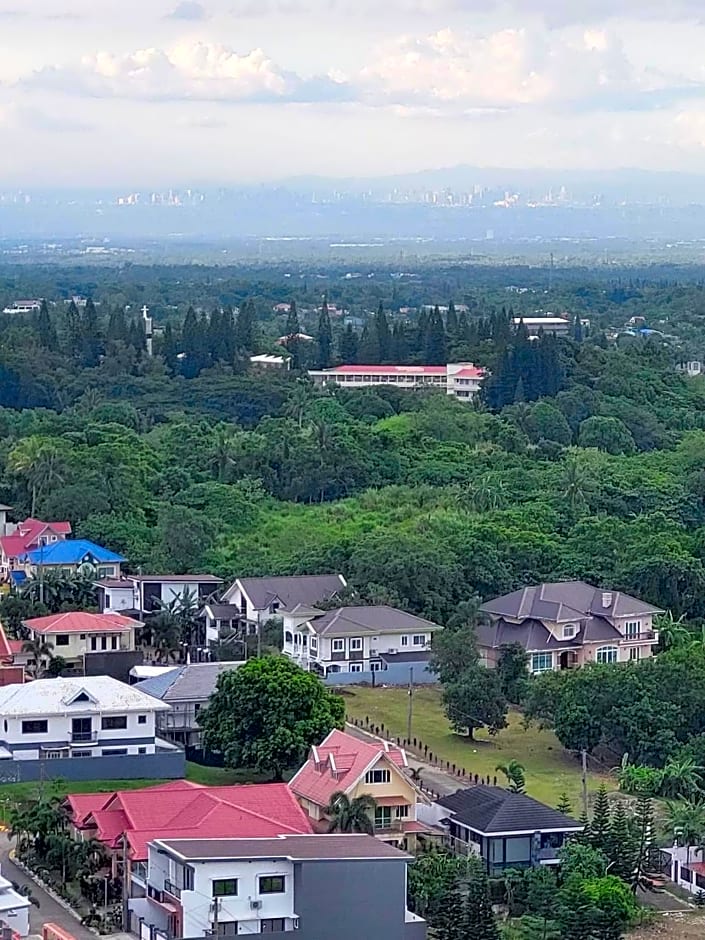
{"x":75,"y":633}
{"x":125,"y":821}
{"x":26,"y":537}
{"x":356,"y":767}
{"x":11,"y":672}
{"x":459,"y":379}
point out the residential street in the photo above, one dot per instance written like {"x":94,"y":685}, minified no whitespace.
{"x":49,"y":911}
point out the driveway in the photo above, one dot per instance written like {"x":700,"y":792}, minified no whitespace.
{"x":48,"y":911}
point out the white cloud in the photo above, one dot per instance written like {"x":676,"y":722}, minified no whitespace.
{"x":188,"y":10}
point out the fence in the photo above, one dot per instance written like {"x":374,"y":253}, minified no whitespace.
{"x":164,"y":765}
{"x":394,"y":674}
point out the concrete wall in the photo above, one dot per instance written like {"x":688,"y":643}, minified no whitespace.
{"x":115,"y":664}
{"x":396,"y":674}
{"x":165,"y":765}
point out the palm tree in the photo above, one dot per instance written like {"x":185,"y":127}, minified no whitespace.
{"x":222,"y":455}
{"x":672,"y":633}
{"x":514,"y":772}
{"x":299,"y":402}
{"x":22,"y":460}
{"x":575,"y":485}
{"x":686,"y":821}
{"x":41,"y":653}
{"x":681,"y":778}
{"x":348,"y":815}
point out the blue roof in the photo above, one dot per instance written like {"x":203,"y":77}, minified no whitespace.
{"x":18,"y":577}
{"x":72,"y":552}
{"x":158,"y":686}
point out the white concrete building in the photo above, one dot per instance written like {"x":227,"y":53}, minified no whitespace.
{"x":145,"y":593}
{"x":14,"y":909}
{"x":87,"y":716}
{"x":548,"y":324}
{"x":460,"y":379}
{"x":351,"y":639}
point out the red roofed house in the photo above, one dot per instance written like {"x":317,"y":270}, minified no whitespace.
{"x":127,"y":820}
{"x":11,"y":672}
{"x":460,"y":379}
{"x":26,"y":537}
{"x":74,"y":633}
{"x":356,"y":767}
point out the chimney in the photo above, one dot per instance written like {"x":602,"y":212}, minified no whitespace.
{"x":607,"y":598}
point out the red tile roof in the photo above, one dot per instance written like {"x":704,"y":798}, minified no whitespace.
{"x":78,"y":621}
{"x":26,"y":536}
{"x":15,"y":646}
{"x":186,"y":810}
{"x":389,"y":370}
{"x":338,"y":764}
{"x":470,"y":373}
{"x":5,"y":648}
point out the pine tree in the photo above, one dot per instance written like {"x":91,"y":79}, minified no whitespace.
{"x":245,"y":337}
{"x":577,"y":329}
{"x":479,"y":920}
{"x":324,"y":338}
{"x":46,"y":334}
{"x":136,"y":336}
{"x":368,"y":347}
{"x":73,"y":331}
{"x":452,"y":322}
{"x":621,"y":847}
{"x":600,"y":825}
{"x":293,"y":326}
{"x":383,"y":334}
{"x":214,"y":334}
{"x":464,"y":327}
{"x":400,"y":344}
{"x":228,"y":334}
{"x":564,"y":805}
{"x":419,"y":341}
{"x":435,"y":346}
{"x":90,"y":335}
{"x":170,"y":349}
{"x":190,"y":343}
{"x":348,"y":345}
{"x":449,"y":922}
{"x":644,"y":840}
{"x":117,"y":325}
{"x":292,"y":342}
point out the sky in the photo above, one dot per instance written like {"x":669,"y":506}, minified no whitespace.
{"x":174,"y":92}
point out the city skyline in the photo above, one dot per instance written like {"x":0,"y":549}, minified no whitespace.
{"x":222,"y":90}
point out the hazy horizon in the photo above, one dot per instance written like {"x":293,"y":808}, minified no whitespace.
{"x":228,"y":92}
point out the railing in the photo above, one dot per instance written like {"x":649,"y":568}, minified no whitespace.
{"x":643,"y":635}
{"x":82,"y":737}
{"x":172,"y":889}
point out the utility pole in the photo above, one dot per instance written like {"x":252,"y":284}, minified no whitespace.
{"x":411,"y":703}
{"x":583,"y":755}
{"x":216,"y":910}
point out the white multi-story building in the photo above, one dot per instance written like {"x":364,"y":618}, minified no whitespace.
{"x":257,"y":600}
{"x":351,"y":639}
{"x":460,"y":379}
{"x":14,"y":909}
{"x":87,"y":716}
{"x":147,"y":593}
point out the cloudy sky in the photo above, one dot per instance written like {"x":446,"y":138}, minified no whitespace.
{"x":165,"y":92}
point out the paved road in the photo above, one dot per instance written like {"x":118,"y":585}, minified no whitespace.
{"x":48,"y":911}
{"x":431,"y":777}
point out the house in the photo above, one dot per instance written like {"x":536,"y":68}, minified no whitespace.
{"x":356,"y":767}
{"x":568,"y":624}
{"x":12,"y":660}
{"x":507,"y":830}
{"x":691,"y":368}
{"x":219,"y":620}
{"x":187,"y":690}
{"x":315,"y":887}
{"x":351,"y":639}
{"x":23,"y":306}
{"x":271,"y":362}
{"x":14,"y":909}
{"x":51,"y":727}
{"x":71,"y":557}
{"x":460,"y":379}
{"x":560,"y":326}
{"x":259,"y":599}
{"x":125,"y":821}
{"x":76,"y":633}
{"x":22,"y":537}
{"x":147,"y":593}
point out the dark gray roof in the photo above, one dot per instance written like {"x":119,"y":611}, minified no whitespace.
{"x":222,"y":611}
{"x":179,"y":578}
{"x":354,"y":621}
{"x":420,"y":656}
{"x":299,"y":847}
{"x":194,"y":683}
{"x":290,"y":591}
{"x":564,"y":601}
{"x":492,"y":810}
{"x":533,"y":636}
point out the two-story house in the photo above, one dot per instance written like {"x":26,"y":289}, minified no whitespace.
{"x":70,"y":557}
{"x":312,"y":886}
{"x":147,"y":593}
{"x":505,"y":829}
{"x":22,"y":537}
{"x":351,"y":639}
{"x":259,"y":599}
{"x":75,"y":633}
{"x":568,"y":624}
{"x":346,"y":764}
{"x":59,"y":724}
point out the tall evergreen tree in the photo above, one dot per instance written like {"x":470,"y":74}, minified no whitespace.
{"x":136,"y":336}
{"x":170,"y":349}
{"x":90,"y":335}
{"x":601,"y":818}
{"x":464,"y":327}
{"x":577,"y":329}
{"x":621,"y":847}
{"x":117,"y":325}
{"x":419,"y":342}
{"x":215,"y":335}
{"x":449,"y":921}
{"x":383,"y":334}
{"x":324,"y":338}
{"x":293,"y":329}
{"x":368,"y":347}
{"x":46,"y":334}
{"x":73,"y":331}
{"x":479,"y":922}
{"x":245,"y":338}
{"x":293,"y":326}
{"x":564,"y":805}
{"x":348,"y":345}
{"x":435,"y":346}
{"x":452,"y":323}
{"x":190,"y":343}
{"x":227,"y":323}
{"x":400,"y":344}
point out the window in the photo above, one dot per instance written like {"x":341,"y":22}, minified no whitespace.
{"x":355,"y":644}
{"x":225,"y":888}
{"x":356,"y":667}
{"x":226,"y":928}
{"x":114,"y":751}
{"x":405,"y":641}
{"x":94,"y":643}
{"x":635,"y":654}
{"x":378,"y":776}
{"x":35,"y":727}
{"x":114,"y":723}
{"x":62,"y":639}
{"x":288,"y":638}
{"x":55,"y":755}
{"x":383,"y":817}
{"x":141,"y":750}
{"x":376,"y":666}
{"x":338,"y":646}
{"x":314,"y":644}
{"x":141,"y":719}
{"x":402,"y":812}
{"x":569,"y":631}
{"x":81,"y":753}
{"x":104,"y":642}
{"x":272,"y":884}
{"x":632,"y":629}
{"x":106,"y":571}
{"x":419,"y":639}
{"x":114,"y":642}
{"x":272,"y":925}
{"x":607,"y":654}
{"x":541,"y":662}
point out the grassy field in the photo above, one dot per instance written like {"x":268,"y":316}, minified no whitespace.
{"x":550,"y":770}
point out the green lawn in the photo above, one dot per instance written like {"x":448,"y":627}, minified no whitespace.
{"x":550,"y":770}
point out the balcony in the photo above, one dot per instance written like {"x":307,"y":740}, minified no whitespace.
{"x":643,"y":637}
{"x":139,"y":870}
{"x":172,"y":889}
{"x":82,"y":737}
